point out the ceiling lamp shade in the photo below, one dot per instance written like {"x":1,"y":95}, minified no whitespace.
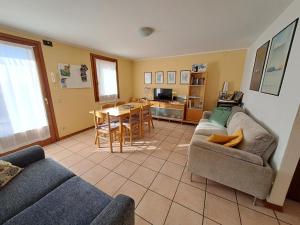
{"x":146,"y":31}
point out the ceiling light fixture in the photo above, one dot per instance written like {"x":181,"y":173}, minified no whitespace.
{"x":146,"y":31}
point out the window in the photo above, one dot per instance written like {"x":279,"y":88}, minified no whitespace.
{"x":105,"y":78}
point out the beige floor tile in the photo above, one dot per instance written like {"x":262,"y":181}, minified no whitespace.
{"x":251,"y":217}
{"x":78,"y":147}
{"x":111,"y":162}
{"x":177,"y":133}
{"x":126,"y":168}
{"x":181,"y":150}
{"x":133,"y":190}
{"x":111,"y":183}
{"x":179,"y":215}
{"x":143,"y":176}
{"x":86,"y":152}
{"x":165,"y":186}
{"x":172,"y":141}
{"x":291,"y":212}
{"x":162,"y":154}
{"x":221,"y":210}
{"x":283,"y":223}
{"x":140,"y":221}
{"x":177,"y":158}
{"x":137,"y":157}
{"x":95,"y":174}
{"x":61,"y":155}
{"x":173,"y":170}
{"x":207,"y":221}
{"x":53,"y":148}
{"x":198,"y":182}
{"x":190,"y":197}
{"x":71,"y":160}
{"x":99,"y":156}
{"x":153,"y":163}
{"x":153,"y":208}
{"x":66,"y":143}
{"x":82,"y":166}
{"x":221,"y":190}
{"x":247,"y":200}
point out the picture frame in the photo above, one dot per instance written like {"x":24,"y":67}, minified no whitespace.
{"x":259,"y":65}
{"x":171,"y":75}
{"x":148,"y":77}
{"x":279,"y":53}
{"x":185,"y":76}
{"x":159,"y":77}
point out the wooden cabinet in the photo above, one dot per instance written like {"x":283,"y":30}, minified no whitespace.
{"x":168,"y":110}
{"x":193,"y":115}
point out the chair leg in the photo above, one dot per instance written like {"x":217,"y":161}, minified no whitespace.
{"x":149,"y":126}
{"x":191,"y":177}
{"x":110,"y":142}
{"x":130,"y":136}
{"x":152,"y":123}
{"x":96,"y":137}
{"x":254,"y":201}
{"x":98,"y":140}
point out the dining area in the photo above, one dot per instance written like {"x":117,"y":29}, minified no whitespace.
{"x":121,"y":122}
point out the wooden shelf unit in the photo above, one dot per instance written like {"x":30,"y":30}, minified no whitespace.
{"x":195,"y":98}
{"x":168,"y":110}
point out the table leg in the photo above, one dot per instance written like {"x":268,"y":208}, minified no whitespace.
{"x":121,"y":133}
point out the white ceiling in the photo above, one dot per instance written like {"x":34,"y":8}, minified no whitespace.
{"x":182,"y":26}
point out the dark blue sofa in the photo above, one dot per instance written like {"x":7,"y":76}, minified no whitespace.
{"x":46,"y":193}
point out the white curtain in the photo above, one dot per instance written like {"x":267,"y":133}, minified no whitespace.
{"x":107,"y":80}
{"x":23,"y":118}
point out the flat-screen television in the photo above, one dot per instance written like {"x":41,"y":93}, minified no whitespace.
{"x":162,"y":94}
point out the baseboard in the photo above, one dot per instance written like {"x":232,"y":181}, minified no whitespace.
{"x":72,"y":134}
{"x":273,"y":206}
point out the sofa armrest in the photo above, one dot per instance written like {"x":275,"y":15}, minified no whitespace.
{"x":206,"y":114}
{"x":120,"y":211}
{"x":25,"y":156}
{"x":199,"y":140}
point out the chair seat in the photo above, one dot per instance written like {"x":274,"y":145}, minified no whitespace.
{"x":104,"y":126}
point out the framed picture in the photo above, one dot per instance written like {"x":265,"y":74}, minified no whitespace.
{"x":171,"y":75}
{"x":278,"y":58}
{"x":185,"y":76}
{"x":258,"y":68}
{"x":159,"y":77}
{"x":148,"y":77}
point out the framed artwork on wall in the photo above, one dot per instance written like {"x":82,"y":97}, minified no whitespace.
{"x":185,"y":76}
{"x":171,"y":75}
{"x":278,"y":58}
{"x":258,"y":68}
{"x":148,"y":77}
{"x":159,"y":77}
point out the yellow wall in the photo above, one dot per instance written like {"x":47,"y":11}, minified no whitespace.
{"x":222,"y":66}
{"x":71,"y":106}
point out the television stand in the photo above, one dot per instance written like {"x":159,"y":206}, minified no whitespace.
{"x":168,"y":110}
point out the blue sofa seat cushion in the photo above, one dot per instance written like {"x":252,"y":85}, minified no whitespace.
{"x":33,"y":183}
{"x":74,"y":202}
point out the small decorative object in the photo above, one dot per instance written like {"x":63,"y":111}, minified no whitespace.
{"x":148,"y":77}
{"x":74,"y":76}
{"x":278,"y":59}
{"x":171,"y":77}
{"x":159,"y":77}
{"x":83,"y":73}
{"x":185,"y":76}
{"x":260,"y":59}
{"x":200,"y":68}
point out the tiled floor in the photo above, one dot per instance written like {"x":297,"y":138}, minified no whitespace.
{"x":153,"y":172}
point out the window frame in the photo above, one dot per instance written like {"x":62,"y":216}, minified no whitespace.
{"x":95,"y":75}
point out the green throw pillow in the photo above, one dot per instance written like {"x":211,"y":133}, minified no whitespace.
{"x":220,"y":115}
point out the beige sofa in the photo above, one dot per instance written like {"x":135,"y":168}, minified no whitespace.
{"x":245,"y":167}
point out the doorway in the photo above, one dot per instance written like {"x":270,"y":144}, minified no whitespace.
{"x":26,"y":110}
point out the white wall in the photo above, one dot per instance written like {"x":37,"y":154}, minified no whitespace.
{"x":278,"y":112}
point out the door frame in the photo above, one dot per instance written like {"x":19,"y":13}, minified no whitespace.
{"x":37,"y":49}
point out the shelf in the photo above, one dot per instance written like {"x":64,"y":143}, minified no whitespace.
{"x":195,"y":108}
{"x":194,"y":97}
{"x":197,"y":85}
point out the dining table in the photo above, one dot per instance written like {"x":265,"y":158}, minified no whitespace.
{"x":121,"y":112}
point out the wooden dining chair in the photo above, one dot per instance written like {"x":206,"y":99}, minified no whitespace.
{"x":117,"y":103}
{"x":133,"y":123}
{"x":104,"y":128}
{"x":107,"y":105}
{"x":147,"y":117}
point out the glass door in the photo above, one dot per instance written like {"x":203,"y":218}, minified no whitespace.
{"x":25,"y":117}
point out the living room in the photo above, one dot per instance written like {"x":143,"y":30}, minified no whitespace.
{"x":170,"y":64}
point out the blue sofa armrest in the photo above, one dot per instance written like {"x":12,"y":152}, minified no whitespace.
{"x":120,"y":211}
{"x":25,"y":156}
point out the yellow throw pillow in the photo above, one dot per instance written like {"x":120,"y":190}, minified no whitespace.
{"x":220,"y":139}
{"x":238,"y":139}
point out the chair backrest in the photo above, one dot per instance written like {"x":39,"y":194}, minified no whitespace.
{"x":146,"y":110}
{"x":108,"y":105}
{"x":134,"y":115}
{"x":133,"y":99}
{"x":100,"y":118}
{"x":119,"y":103}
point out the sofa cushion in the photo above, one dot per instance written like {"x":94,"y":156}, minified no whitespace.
{"x":74,"y":202}
{"x":256,"y":138}
{"x":207,"y":128}
{"x":220,"y":115}
{"x":234,"y":110}
{"x":35,"y":181}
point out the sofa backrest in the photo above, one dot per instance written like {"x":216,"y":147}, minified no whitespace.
{"x":234,"y":110}
{"x":257,"y":140}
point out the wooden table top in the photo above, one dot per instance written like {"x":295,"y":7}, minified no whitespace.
{"x":121,"y":110}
